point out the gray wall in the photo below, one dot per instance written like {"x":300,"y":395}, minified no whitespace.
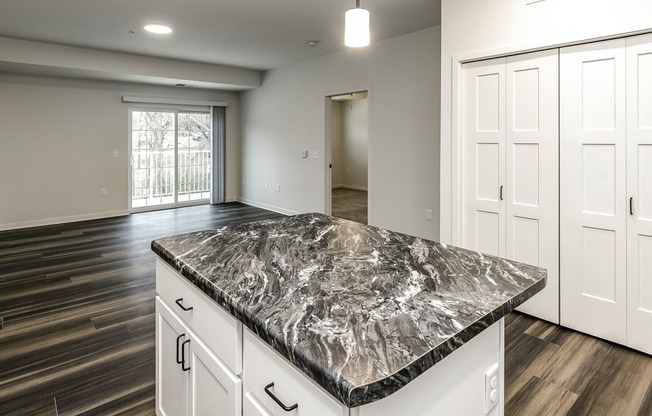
{"x":287,"y":114}
{"x":56,"y":146}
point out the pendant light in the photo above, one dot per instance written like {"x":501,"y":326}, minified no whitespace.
{"x":356,"y":27}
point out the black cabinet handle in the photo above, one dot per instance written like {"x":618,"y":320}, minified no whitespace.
{"x":501,"y":192}
{"x":276,"y":399}
{"x":179,"y":360}
{"x":183,"y":355}
{"x":631,"y":206}
{"x":180,"y":303}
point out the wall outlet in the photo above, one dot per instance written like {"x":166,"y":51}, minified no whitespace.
{"x":429,"y":214}
{"x":115,"y":153}
{"x":103,"y":191}
{"x":314,"y":154}
{"x":491,"y":388}
{"x":278,"y":188}
{"x":266,"y":185}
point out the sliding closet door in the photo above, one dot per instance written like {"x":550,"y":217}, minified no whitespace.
{"x":532,"y":172}
{"x":484,"y":156}
{"x":639,"y":187}
{"x":593,"y":189}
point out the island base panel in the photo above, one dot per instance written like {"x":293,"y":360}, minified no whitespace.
{"x":454,"y":386}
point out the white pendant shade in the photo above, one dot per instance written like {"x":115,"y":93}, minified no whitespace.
{"x":356,"y":28}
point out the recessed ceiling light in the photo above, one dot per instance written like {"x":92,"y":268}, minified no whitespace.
{"x":158,"y":29}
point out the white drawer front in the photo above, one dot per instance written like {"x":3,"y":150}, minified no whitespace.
{"x":220,"y":331}
{"x":252,"y":407}
{"x":263,"y":366}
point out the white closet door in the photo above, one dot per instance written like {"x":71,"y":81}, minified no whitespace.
{"x":484,"y":156}
{"x":532,"y":172}
{"x":592,"y":189}
{"x":639,"y":187}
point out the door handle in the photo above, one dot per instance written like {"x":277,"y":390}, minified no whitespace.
{"x":501,"y":192}
{"x":178,"y":338}
{"x":183,"y":355}
{"x":631,"y":206}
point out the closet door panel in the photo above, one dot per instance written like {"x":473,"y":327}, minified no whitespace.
{"x":639,"y":188}
{"x":483,"y":156}
{"x":593,"y":189}
{"x":532,"y":151}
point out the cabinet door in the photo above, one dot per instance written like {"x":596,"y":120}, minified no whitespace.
{"x":171,"y":380}
{"x":639,"y":188}
{"x":483,"y":223}
{"x":592,"y":189}
{"x":214,"y":389}
{"x":532,"y":172}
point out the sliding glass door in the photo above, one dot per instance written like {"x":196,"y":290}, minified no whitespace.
{"x":170,"y":158}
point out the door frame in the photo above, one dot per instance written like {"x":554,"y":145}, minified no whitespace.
{"x":328,"y":173}
{"x":169,"y":109}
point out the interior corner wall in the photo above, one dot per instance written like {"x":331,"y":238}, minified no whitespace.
{"x":287,"y":114}
{"x":56,"y":146}
{"x":474,"y":29}
{"x":355,"y":130}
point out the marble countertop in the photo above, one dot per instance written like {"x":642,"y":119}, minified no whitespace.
{"x":361,"y":310}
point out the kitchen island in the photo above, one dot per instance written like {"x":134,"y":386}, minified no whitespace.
{"x":367,"y":320}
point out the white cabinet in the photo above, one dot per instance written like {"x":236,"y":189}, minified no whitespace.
{"x":171,"y":380}
{"x":510,"y":165}
{"x":190,"y":379}
{"x":606,"y":190}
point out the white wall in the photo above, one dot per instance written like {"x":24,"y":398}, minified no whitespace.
{"x":355,"y":129}
{"x":56,"y":144}
{"x":287,"y":114}
{"x":472,"y":29}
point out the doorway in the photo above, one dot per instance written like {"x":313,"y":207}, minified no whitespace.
{"x":170,"y":158}
{"x":349,"y":150}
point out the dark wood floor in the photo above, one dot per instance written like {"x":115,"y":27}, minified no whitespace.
{"x":77,"y":311}
{"x":77,"y":328}
{"x":350,"y":204}
{"x":550,"y":370}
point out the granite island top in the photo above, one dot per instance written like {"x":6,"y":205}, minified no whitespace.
{"x":361,"y":310}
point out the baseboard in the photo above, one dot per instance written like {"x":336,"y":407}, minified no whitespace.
{"x":355,"y":188}
{"x":267,"y":206}
{"x":232,"y":199}
{"x":61,"y":220}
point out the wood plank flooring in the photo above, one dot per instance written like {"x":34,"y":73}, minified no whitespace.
{"x":77,"y":328}
{"x":550,"y":370}
{"x":77,"y":311}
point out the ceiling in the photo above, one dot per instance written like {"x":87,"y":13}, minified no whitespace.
{"x":256,"y":34}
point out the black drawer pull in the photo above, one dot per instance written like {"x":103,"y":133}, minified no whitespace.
{"x":179,"y":360}
{"x":183,"y":355}
{"x":276,"y":399}
{"x":180,"y":303}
